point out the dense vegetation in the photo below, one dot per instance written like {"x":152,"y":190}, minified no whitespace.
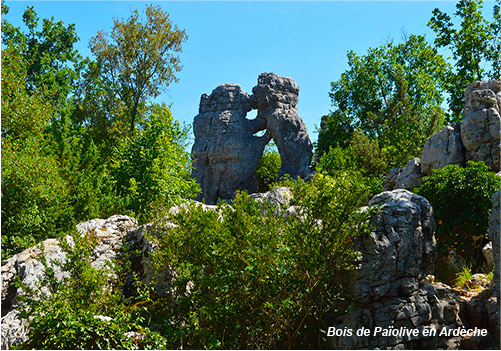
{"x":81,"y":138}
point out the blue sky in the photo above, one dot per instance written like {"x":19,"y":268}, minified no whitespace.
{"x":233,"y":42}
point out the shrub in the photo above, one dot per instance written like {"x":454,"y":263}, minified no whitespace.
{"x":152,"y":168}
{"x":84,"y":310}
{"x":461,"y":199}
{"x":249,"y":277}
{"x":267,"y":169}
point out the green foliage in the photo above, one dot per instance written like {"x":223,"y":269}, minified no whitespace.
{"x":34,"y":195}
{"x":267,"y":169}
{"x":463,"y":278}
{"x":48,"y":53}
{"x":152,"y":168}
{"x":257,"y":279}
{"x":461,"y":199}
{"x":140,"y":58}
{"x":392,"y":94}
{"x":85,"y":309}
{"x":363,"y":159}
{"x":475,"y":43}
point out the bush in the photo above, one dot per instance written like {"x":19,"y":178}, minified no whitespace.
{"x":152,"y":168}
{"x":86,"y":309}
{"x":267,"y":169}
{"x":461,"y":199}
{"x":248,"y":277}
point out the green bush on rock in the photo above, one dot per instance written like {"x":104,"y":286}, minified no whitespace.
{"x":251,"y":277}
{"x":461,"y":199}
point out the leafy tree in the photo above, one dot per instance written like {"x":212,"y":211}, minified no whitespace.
{"x":34,"y":195}
{"x":461,"y":199}
{"x":474,"y":43}
{"x":268,"y":167}
{"x":392,"y":94}
{"x":139,"y":58}
{"x":152,"y":169}
{"x":49,"y":52}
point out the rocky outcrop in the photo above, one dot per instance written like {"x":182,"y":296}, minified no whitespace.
{"x":442,"y":149}
{"x":385,"y":289}
{"x":411,"y":175}
{"x":26,"y":265}
{"x":226,"y":153}
{"x":276,"y":101}
{"x":481,"y":127}
{"x":400,"y":250}
{"x":407,"y":178}
{"x":495,"y":236}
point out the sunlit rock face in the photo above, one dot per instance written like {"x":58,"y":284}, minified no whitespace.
{"x":227,"y":150}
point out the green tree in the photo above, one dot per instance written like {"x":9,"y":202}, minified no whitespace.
{"x":49,"y":53}
{"x":34,"y":195}
{"x":151,"y":169}
{"x":267,"y":170}
{"x":461,"y":200}
{"x":392,"y":94}
{"x":475,"y":43}
{"x":139,"y":58}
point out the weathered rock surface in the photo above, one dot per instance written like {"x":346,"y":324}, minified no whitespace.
{"x":481,"y":127}
{"x":399,"y":252}
{"x":442,"y":149}
{"x":27,"y":266}
{"x":385,"y":289}
{"x":391,"y":179}
{"x":411,"y":175}
{"x":495,"y":236}
{"x":226,"y":153}
{"x":276,"y":101}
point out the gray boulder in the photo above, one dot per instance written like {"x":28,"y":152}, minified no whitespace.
{"x":495,"y":236}
{"x":392,"y":178}
{"x":411,"y":175}
{"x":386,"y":290}
{"x":276,"y":101}
{"x":442,"y":149}
{"x":481,"y":127}
{"x":226,"y":153}
{"x":399,"y":251}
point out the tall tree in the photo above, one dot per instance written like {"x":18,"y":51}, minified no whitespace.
{"x":139,"y":58}
{"x":392,"y":94}
{"x":475,"y":47}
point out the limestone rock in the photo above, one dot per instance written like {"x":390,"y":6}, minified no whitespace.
{"x":442,"y":149}
{"x":487,"y":253}
{"x":226,"y":153}
{"x":276,"y":100}
{"x":481,"y":127}
{"x":432,"y":306}
{"x":400,"y":250}
{"x":27,"y":266}
{"x":391,"y":179}
{"x":495,"y":236}
{"x":411,"y":175}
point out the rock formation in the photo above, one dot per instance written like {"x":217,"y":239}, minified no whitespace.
{"x":481,"y":127}
{"x":276,"y":100}
{"x":399,"y":252}
{"x":495,"y":236}
{"x":385,"y":289}
{"x":28,"y":267}
{"x":442,"y":149}
{"x":226,"y":151}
